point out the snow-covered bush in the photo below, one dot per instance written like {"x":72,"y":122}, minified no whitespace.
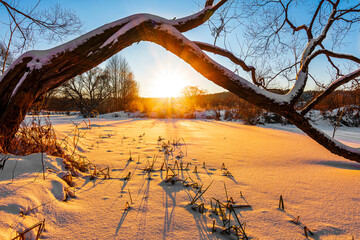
{"x":344,"y":116}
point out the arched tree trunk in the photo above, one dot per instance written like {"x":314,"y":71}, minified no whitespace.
{"x":37,"y":72}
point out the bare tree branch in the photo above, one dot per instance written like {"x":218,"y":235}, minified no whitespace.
{"x":329,"y":53}
{"x":225,"y":53}
{"x":345,"y":79}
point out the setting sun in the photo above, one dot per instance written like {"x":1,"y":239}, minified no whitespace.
{"x":169,"y":83}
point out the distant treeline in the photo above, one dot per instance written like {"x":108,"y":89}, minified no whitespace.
{"x":184,"y":107}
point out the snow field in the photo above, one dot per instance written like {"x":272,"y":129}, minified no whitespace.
{"x":264,"y":163}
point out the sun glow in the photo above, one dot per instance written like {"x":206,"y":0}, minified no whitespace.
{"x":169,"y":83}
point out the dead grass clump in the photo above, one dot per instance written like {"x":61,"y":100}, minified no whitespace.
{"x":34,"y":136}
{"x":37,"y":135}
{"x":40,"y":228}
{"x":68,"y":179}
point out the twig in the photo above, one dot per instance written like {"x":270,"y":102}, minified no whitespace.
{"x":196,"y":198}
{"x":42,"y":163}
{"x":281,"y":203}
{"x":131,"y":201}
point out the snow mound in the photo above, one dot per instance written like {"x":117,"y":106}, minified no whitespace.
{"x":26,"y":197}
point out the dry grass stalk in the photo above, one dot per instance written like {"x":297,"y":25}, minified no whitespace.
{"x":178,"y":143}
{"x":42,"y":164}
{"x":127,"y":176}
{"x":227,"y":198}
{"x":150,"y":166}
{"x":131,"y":201}
{"x":228,"y":173}
{"x":215,"y":208}
{"x":172,"y":179}
{"x":167,"y":173}
{"x":160,"y":139}
{"x":242,"y":228}
{"x":199,"y":193}
{"x":41,"y":227}
{"x":138,"y":161}
{"x":105,"y":172}
{"x":240,"y":206}
{"x":187,"y":166}
{"x":127,"y":206}
{"x":296,"y":220}
{"x":281,"y":203}
{"x":94,"y":173}
{"x":222,"y":214}
{"x":306,"y":230}
{"x":176,"y":165}
{"x":200,"y":207}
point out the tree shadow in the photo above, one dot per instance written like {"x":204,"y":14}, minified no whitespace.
{"x":339,"y":164}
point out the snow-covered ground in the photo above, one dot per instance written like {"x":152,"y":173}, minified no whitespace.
{"x":265,"y":162}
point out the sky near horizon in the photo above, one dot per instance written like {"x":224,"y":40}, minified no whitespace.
{"x":159,"y":72}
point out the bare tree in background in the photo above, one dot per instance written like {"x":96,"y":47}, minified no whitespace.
{"x":192,"y":95}
{"x":124,"y":87}
{"x":5,"y":57}
{"x":88,"y":90}
{"x":27,"y":25}
{"x":34,"y":74}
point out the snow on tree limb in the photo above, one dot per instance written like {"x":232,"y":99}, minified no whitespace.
{"x":225,"y":53}
{"x":340,"y":81}
{"x":323,"y":139}
{"x":330,"y":54}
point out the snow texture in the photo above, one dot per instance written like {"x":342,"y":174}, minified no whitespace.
{"x":264,"y":162}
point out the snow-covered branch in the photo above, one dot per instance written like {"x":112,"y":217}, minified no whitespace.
{"x":330,"y":54}
{"x":331,"y":20}
{"x":197,"y":19}
{"x":340,"y":81}
{"x":323,"y":139}
{"x":225,"y":53}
